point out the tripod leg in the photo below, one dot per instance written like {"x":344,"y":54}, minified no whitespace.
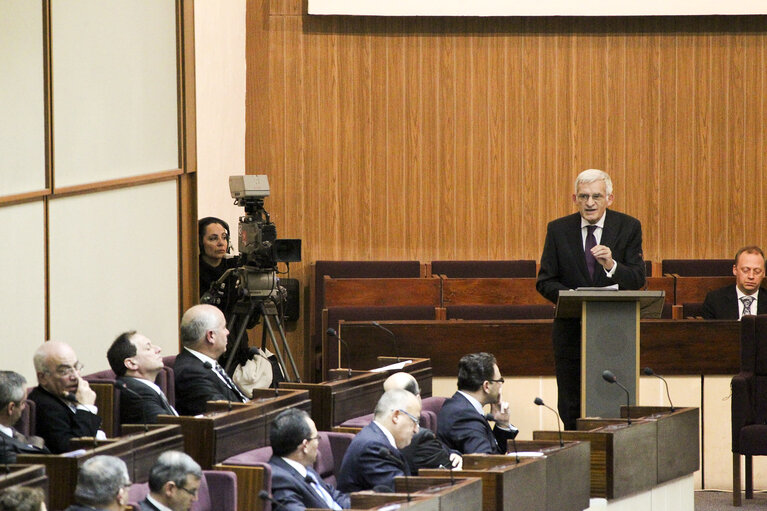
{"x":268,"y":327}
{"x":287,"y":350}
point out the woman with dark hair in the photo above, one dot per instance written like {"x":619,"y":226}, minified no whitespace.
{"x":214,"y":242}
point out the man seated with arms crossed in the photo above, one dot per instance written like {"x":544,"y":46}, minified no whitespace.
{"x":424,"y":451}
{"x":64,"y":402}
{"x":174,"y":482}
{"x":742,"y":298}
{"x":12,"y":403}
{"x":199,"y":377}
{"x":462,"y":424}
{"x":102,"y":485}
{"x":295,"y":484}
{"x":373,"y":459}
{"x":136,"y":362}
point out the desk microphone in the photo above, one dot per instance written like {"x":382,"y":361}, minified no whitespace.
{"x":609,"y":377}
{"x":538,"y":401}
{"x":649,"y":372}
{"x":264,"y":495}
{"x":394,"y":337}
{"x":385,"y":453}
{"x":333,"y":333}
{"x":124,"y":388}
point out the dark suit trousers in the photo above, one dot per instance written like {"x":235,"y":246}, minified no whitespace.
{"x":567,"y":358}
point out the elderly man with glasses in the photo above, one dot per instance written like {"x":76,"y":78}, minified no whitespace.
{"x":295,"y":447}
{"x":64,"y":402}
{"x":462,"y":424}
{"x":373,"y":459}
{"x":174,"y":482}
{"x":102,"y":485}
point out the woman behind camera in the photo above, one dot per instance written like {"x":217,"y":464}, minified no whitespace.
{"x":214,"y":241}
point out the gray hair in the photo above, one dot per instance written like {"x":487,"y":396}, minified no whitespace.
{"x":195,"y":323}
{"x":593,"y":175}
{"x":100,"y":480}
{"x":393,"y":399}
{"x":172,"y":466}
{"x":11,"y":388}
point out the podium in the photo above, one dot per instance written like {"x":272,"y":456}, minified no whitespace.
{"x":609,"y":340}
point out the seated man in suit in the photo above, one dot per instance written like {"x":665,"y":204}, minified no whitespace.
{"x":424,"y":451}
{"x":136,"y":362}
{"x":462,"y":424}
{"x":199,"y":377}
{"x":11,"y":405}
{"x":742,"y":298}
{"x":64,"y":402}
{"x":295,"y":484}
{"x":174,"y":481}
{"x":102,"y":484}
{"x":374,"y":459}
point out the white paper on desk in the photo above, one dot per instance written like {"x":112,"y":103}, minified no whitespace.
{"x":614,"y":287}
{"x":526,"y":454}
{"x":74,"y":454}
{"x":392,"y":367}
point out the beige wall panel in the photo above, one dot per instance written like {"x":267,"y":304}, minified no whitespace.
{"x":23,"y":301}
{"x":22,"y":102}
{"x":114,"y":81}
{"x":220,"y":97}
{"x":114,"y":267}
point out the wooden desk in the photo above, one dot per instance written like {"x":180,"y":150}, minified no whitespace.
{"x":231,"y":428}
{"x":33,"y":476}
{"x":506,"y":484}
{"x":694,"y":289}
{"x":491,"y":291}
{"x":382,"y":291}
{"x":371,"y":501}
{"x":458,"y":494}
{"x":624,"y":459}
{"x":138,"y":451}
{"x":523,"y":347}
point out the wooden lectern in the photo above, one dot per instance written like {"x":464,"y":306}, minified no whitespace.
{"x":609,"y":340}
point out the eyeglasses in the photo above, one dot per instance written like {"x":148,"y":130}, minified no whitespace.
{"x":193,"y":493}
{"x":66,"y":371}
{"x":584,"y":197}
{"x":410,"y":416}
{"x":315,"y":437}
{"x":499,"y":380}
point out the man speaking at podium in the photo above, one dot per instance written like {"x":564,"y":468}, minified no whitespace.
{"x":595,"y":247}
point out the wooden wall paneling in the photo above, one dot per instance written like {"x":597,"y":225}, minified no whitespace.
{"x":431,"y":112}
{"x":257,"y":134}
{"x":396,"y":184}
{"x":478,"y":143}
{"x":312,"y":190}
{"x":544,"y":49}
{"x":716,"y":195}
{"x":366,"y":163}
{"x":464,"y":53}
{"x":528,"y":189}
{"x":736,"y":141}
{"x":753,"y":152}
{"x":497,"y":198}
{"x":379,"y":149}
{"x":445,"y":183}
{"x":600,"y":94}
{"x":582,"y":92}
{"x":667,"y":184}
{"x":686,"y":146}
{"x":516,"y":193}
{"x":415,"y":215}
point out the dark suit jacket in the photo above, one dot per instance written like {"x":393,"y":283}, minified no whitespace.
{"x":425,"y":451}
{"x":10,"y":447}
{"x":197,"y":384}
{"x":145,"y":505}
{"x":141,"y":408}
{"x":722,"y":303}
{"x":461,"y":428}
{"x":58,"y":424}
{"x":563,"y":263}
{"x":294,"y":493}
{"x":370,"y":461}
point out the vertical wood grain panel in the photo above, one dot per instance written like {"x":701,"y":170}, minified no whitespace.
{"x":446,"y":182}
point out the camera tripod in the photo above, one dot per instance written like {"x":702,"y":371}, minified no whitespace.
{"x":245,"y":312}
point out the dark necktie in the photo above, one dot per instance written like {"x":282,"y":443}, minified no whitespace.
{"x":591,"y":242}
{"x":319,"y":490}
{"x":229,"y":382}
{"x":747,"y":301}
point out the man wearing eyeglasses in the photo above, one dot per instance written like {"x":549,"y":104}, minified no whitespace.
{"x":594,"y":247}
{"x":102,"y":485}
{"x":64,"y":402}
{"x":373,"y":459}
{"x":295,"y":447}
{"x":174,"y":483}
{"x":462,"y":424}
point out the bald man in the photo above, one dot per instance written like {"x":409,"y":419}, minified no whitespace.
{"x":64,"y":402}
{"x":425,"y":450}
{"x":373,"y":459}
{"x":199,"y":377}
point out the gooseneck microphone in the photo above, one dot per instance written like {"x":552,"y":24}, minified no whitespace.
{"x":385,"y":453}
{"x":333,"y":333}
{"x":264,"y":495}
{"x":124,"y":388}
{"x":538,"y":401}
{"x":609,"y":377}
{"x":649,"y":372}
{"x":394,"y":337}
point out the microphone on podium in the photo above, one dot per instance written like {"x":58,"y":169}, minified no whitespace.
{"x":609,"y":377}
{"x":649,"y":372}
{"x":333,"y":333}
{"x":538,"y":401}
{"x":394,"y":337}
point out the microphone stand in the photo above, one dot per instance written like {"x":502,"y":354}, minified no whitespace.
{"x":609,"y":377}
{"x":394,"y":337}
{"x":538,"y":401}
{"x":333,"y":333}
{"x":649,"y":372}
